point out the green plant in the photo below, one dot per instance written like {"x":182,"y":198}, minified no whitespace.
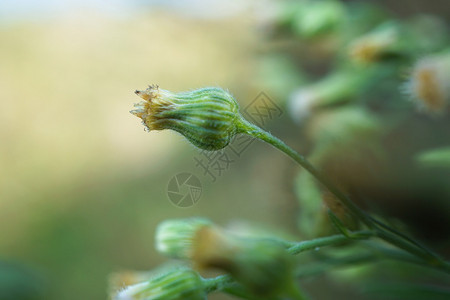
{"x":267,"y":267}
{"x":208,"y":246}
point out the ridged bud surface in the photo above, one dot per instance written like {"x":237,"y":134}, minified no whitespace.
{"x":206,"y":117}
{"x":177,"y":284}
{"x":174,"y":238}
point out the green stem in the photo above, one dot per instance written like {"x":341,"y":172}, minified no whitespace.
{"x":428,"y":257}
{"x":218,"y":283}
{"x":298,"y":247}
{"x":227,"y":284}
{"x":383,"y":231}
{"x":255,"y":131}
{"x":317,"y":268}
{"x":404,"y":237}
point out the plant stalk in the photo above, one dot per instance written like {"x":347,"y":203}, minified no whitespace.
{"x":378,"y":228}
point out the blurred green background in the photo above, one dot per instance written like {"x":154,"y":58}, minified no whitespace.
{"x":82,"y":185}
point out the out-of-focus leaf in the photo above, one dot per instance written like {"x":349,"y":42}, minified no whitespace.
{"x":435,"y":158}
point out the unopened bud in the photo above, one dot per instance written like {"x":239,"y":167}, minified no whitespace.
{"x":429,"y":83}
{"x":374,"y":45}
{"x":174,"y":238}
{"x":263,"y":266}
{"x":207,"y":117}
{"x":177,"y":284}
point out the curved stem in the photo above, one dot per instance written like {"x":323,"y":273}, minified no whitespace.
{"x":298,"y":247}
{"x":380,"y":229}
{"x":255,"y":131}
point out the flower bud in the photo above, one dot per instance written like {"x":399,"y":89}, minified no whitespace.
{"x":263,"y":266}
{"x":174,"y":238}
{"x":429,"y":83}
{"x":177,"y":284}
{"x":207,"y":117}
{"x":374,"y":45}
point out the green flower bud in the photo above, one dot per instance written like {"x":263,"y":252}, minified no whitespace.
{"x":263,"y":266}
{"x":383,"y":41}
{"x":177,"y":284}
{"x":174,"y":238}
{"x":207,"y":117}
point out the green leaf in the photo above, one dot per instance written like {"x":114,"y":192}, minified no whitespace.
{"x":438,"y":157}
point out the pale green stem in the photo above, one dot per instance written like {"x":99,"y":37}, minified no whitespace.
{"x":255,"y":131}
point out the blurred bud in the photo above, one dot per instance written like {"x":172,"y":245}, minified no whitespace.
{"x":177,"y":284}
{"x":118,"y":280}
{"x":318,"y":17}
{"x":262,"y":265}
{"x":375,"y":45}
{"x":206,"y":117}
{"x":174,"y":238}
{"x":428,"y":84}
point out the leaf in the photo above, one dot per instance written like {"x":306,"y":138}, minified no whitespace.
{"x":438,"y":157}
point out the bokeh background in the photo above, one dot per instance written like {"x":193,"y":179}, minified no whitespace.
{"x":82,"y":185}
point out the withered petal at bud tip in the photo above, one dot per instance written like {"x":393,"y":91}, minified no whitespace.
{"x":146,"y":95}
